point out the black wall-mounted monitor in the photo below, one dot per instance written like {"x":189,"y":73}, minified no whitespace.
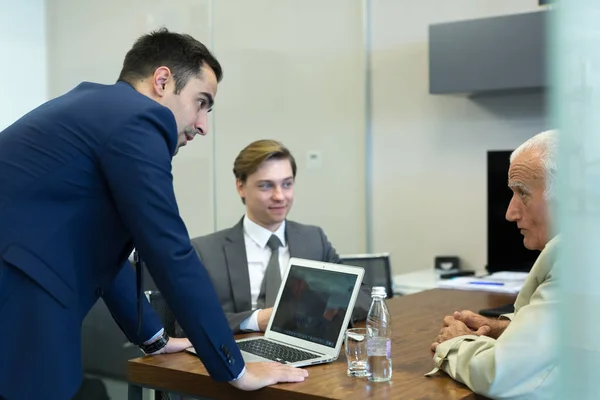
{"x":505,"y":249}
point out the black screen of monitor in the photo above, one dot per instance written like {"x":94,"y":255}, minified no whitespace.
{"x":505,"y":249}
{"x":313,"y":304}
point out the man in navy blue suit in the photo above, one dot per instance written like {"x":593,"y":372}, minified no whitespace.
{"x":84,"y":178}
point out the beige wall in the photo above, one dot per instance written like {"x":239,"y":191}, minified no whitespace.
{"x":22,"y":58}
{"x":294,"y":72}
{"x":429,"y":151}
{"x":88,"y":41}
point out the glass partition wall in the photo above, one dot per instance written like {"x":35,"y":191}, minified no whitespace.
{"x":575,"y":75}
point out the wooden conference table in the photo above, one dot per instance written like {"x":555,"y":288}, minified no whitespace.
{"x":416,"y":320}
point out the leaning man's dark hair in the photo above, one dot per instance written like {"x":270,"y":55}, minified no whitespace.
{"x":181,"y":53}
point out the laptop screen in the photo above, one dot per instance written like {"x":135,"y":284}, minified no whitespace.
{"x":313,"y":304}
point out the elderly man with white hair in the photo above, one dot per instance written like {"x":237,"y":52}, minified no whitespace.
{"x":515,"y":357}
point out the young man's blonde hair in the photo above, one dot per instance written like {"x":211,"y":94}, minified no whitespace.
{"x":253,"y":155}
{"x":256,"y":153}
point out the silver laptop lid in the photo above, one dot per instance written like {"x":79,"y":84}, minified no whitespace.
{"x":314,"y":305}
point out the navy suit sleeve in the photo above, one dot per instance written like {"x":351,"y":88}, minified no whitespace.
{"x":121,"y":299}
{"x":136,"y":162}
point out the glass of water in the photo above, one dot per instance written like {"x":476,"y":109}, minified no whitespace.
{"x":355,"y":345}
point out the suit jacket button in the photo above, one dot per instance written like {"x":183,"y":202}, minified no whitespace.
{"x":225,"y":349}
{"x":99,"y":292}
{"x":230,"y":360}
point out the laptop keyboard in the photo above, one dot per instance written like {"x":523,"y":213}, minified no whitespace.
{"x":275,"y":351}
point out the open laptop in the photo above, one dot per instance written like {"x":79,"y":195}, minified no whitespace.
{"x":312,"y":310}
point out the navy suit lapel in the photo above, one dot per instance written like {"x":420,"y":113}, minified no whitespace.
{"x":237,"y":265}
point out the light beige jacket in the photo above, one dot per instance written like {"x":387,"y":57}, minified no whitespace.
{"x":522,"y":362}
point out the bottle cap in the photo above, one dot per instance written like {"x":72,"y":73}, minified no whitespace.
{"x":378,"y":291}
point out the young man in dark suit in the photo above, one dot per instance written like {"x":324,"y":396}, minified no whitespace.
{"x":84,"y":178}
{"x":242,"y":261}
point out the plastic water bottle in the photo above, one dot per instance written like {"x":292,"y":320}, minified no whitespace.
{"x":379,"y":338}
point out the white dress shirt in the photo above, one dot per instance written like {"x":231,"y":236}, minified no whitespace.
{"x":258,"y":255}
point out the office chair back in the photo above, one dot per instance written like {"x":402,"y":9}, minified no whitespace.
{"x":378,"y":271}
{"x":158,"y":302}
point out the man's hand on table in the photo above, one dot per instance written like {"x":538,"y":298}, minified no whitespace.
{"x":482,"y":325}
{"x":174,"y":345}
{"x":452,"y":328}
{"x":257,"y":375}
{"x":261,"y":374}
{"x":469,"y":323}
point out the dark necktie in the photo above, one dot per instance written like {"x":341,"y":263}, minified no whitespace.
{"x":272,"y":280}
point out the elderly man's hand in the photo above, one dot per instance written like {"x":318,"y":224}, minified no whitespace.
{"x":452,"y":328}
{"x":480,"y":324}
